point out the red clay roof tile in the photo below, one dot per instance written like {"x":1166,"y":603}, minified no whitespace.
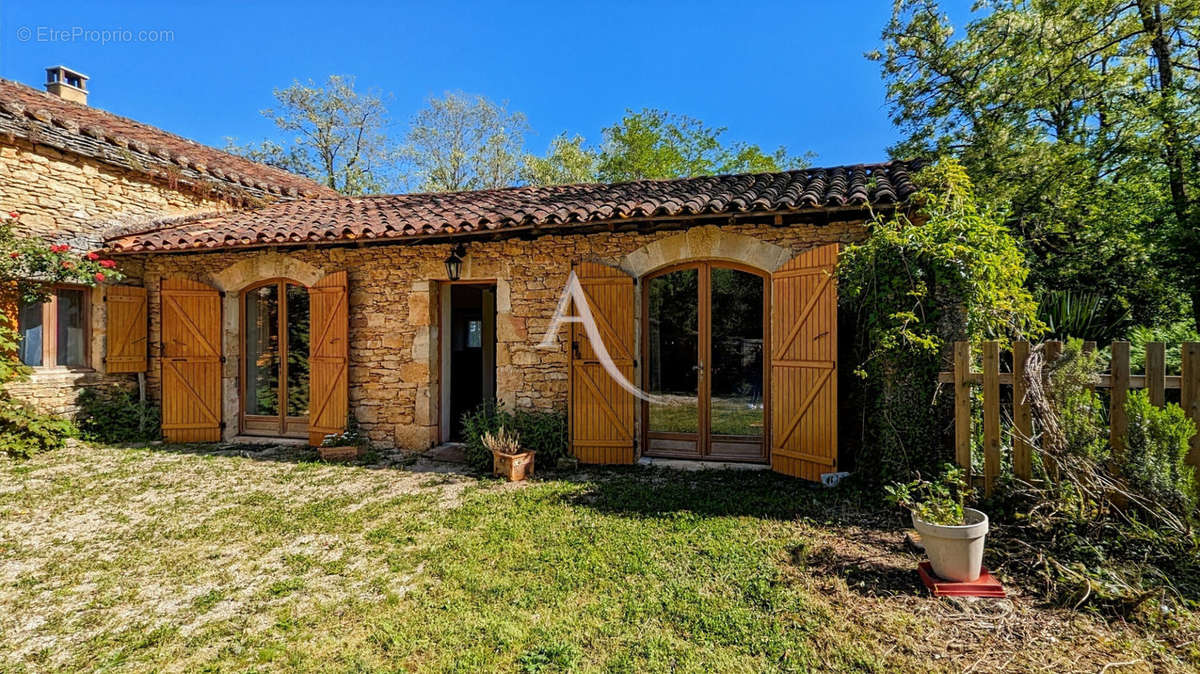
{"x":19,"y":103}
{"x":407,"y":216}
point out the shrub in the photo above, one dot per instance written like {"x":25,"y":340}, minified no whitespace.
{"x":24,"y":432}
{"x":540,"y":431}
{"x":1072,"y":394}
{"x":502,"y":441}
{"x":1172,"y":334}
{"x":939,"y":502}
{"x":352,"y":436}
{"x":115,"y":414}
{"x":919,"y":281}
{"x":1155,"y":457}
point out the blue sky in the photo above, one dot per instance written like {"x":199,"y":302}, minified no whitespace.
{"x":786,"y":73}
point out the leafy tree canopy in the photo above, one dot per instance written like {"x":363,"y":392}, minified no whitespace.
{"x":1080,"y":118}
{"x":339,"y":136}
{"x":460,"y":142}
{"x":653,"y":144}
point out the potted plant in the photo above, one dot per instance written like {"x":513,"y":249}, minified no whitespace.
{"x":953,"y":534}
{"x":507,"y":457}
{"x":345,"y":446}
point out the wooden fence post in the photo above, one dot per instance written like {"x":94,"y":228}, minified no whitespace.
{"x":1189,"y":397}
{"x":1051,"y":351}
{"x":1022,"y":415}
{"x":1118,"y":424}
{"x":1156,"y":373}
{"x":991,"y":415}
{"x":962,"y":406}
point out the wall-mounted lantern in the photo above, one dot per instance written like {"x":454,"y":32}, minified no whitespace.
{"x":455,"y":261}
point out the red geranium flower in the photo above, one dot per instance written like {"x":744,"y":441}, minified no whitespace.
{"x":93,"y":256}
{"x":99,"y":277}
{"x":67,"y":265}
{"x":14,"y":215}
{"x":14,"y":255}
{"x":108,"y":264}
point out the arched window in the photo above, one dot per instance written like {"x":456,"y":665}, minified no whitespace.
{"x":275,"y":337}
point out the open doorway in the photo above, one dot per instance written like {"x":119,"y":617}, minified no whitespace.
{"x":468,"y":352}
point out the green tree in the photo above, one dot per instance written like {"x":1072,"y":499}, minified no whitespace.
{"x":654,"y":144}
{"x":913,"y":290}
{"x":339,"y":136}
{"x":1080,"y":118}
{"x":567,"y":162}
{"x":460,"y":142}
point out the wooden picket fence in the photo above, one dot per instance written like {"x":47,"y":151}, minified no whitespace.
{"x":1118,"y":381}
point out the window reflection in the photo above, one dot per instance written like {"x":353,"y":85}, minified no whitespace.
{"x":674,"y":344}
{"x":736,"y":375}
{"x":262,"y":351}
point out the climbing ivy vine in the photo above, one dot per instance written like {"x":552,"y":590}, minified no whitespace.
{"x":948,"y":269}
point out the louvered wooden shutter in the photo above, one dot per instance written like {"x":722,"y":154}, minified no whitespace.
{"x":601,"y":412}
{"x":125,"y":329}
{"x":329,"y":356}
{"x":804,"y":365}
{"x":191,"y":361}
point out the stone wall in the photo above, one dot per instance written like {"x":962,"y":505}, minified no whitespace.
{"x":71,"y":199}
{"x":394,"y":307}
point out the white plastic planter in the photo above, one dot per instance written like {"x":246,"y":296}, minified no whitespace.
{"x":955,"y":552}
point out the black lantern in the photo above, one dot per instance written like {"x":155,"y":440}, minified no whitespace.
{"x":454,"y":262}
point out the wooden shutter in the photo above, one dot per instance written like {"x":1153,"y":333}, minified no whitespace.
{"x":191,"y":361}
{"x":804,"y":365}
{"x":601,"y":412}
{"x":329,"y":356}
{"x":125,"y":329}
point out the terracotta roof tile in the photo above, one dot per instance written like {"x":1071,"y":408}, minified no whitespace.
{"x":406,"y":216}
{"x":96,"y":129}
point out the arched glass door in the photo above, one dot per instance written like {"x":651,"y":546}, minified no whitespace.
{"x":703,"y":348}
{"x":275,"y":334}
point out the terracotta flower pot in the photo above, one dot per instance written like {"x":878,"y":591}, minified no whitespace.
{"x":955,"y":552}
{"x":347,"y":453}
{"x":514,"y":467}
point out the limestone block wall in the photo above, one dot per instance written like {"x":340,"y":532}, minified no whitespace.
{"x":67,"y":198}
{"x":71,"y":199}
{"x":394,"y":307}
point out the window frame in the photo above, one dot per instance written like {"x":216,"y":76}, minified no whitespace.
{"x":50,"y":329}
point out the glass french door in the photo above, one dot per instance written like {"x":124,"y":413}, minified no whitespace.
{"x":703,"y":348}
{"x":275,"y":333}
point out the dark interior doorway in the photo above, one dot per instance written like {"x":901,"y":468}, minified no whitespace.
{"x":468,"y":352}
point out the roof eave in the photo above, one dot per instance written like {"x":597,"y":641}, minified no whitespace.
{"x":781,"y":218}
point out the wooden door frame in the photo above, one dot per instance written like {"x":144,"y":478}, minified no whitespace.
{"x":440,"y":362}
{"x":703,"y":435}
{"x":282,"y":417}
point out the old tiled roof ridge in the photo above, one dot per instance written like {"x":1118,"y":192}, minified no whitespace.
{"x":403,"y":216}
{"x":93,"y":129}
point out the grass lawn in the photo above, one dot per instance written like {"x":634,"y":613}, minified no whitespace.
{"x":176,"y":559}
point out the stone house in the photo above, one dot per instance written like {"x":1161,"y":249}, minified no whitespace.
{"x":692,"y":318}
{"x":74,"y":172}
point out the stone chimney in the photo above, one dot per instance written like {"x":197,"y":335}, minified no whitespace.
{"x":66,"y":83}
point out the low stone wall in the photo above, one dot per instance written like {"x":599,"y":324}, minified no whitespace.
{"x":394,"y":306}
